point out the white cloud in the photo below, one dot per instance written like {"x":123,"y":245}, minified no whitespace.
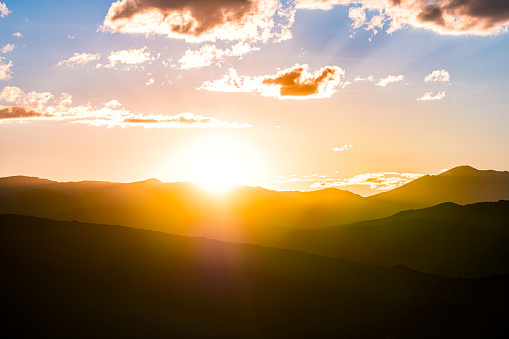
{"x":80,"y":59}
{"x":342,"y":148}
{"x":438,"y":76}
{"x":37,"y":106}
{"x":129,"y":57}
{"x":296,"y":82}
{"x":210,"y":54}
{"x":428,"y":96}
{"x":4,"y":11}
{"x":5,"y":70}
{"x":389,"y":79}
{"x":8,"y":48}
{"x":17,"y":34}
{"x":150,"y":82}
{"x":367,"y":79}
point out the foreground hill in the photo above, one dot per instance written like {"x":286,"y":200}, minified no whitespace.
{"x":184,"y":208}
{"x":69,"y":279}
{"x":446,"y":239}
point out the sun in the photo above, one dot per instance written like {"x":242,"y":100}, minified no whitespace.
{"x":218,"y":163}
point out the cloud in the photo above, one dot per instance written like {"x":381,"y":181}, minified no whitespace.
{"x":129,"y":57}
{"x":150,"y":81}
{"x":367,"y":79}
{"x":80,"y":59}
{"x":438,"y":75}
{"x":198,"y":20}
{"x":14,"y":112}
{"x":8,"y":48}
{"x":388,"y":79}
{"x":42,"y":106}
{"x":210,"y":54}
{"x":429,"y":96}
{"x":342,"y":148}
{"x":4,"y":11}
{"x":380,"y":181}
{"x":17,"y":34}
{"x":296,"y":82}
{"x":456,"y":17}
{"x":5,"y":70}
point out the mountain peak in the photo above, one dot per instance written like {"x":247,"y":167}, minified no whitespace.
{"x":461,"y":171}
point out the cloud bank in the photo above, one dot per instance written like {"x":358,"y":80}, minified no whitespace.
{"x":42,"y":106}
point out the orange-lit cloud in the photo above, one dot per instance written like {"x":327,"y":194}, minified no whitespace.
{"x":379,"y":181}
{"x":475,"y":17}
{"x":4,"y":11}
{"x":198,"y":20}
{"x":428,"y":96}
{"x":389,"y":79}
{"x":15,"y":112}
{"x":440,"y":75}
{"x":210,"y":54}
{"x":37,"y":106}
{"x":5,"y":69}
{"x":296,"y":82}
{"x":80,"y":59}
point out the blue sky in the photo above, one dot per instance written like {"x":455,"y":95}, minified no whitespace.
{"x":104,"y":132}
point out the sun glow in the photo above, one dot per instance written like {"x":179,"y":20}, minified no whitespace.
{"x":218,"y":164}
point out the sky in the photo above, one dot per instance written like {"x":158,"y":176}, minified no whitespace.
{"x":362,"y":95}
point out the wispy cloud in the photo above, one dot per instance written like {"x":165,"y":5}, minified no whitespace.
{"x":389,"y":79}
{"x":197,"y":20}
{"x":428,"y":96}
{"x":80,"y":59}
{"x":296,"y":82}
{"x":474,"y":17}
{"x":342,"y":148}
{"x":8,"y":48}
{"x":441,"y":75}
{"x":38,"y":106}
{"x":379,"y":181}
{"x":210,"y":54}
{"x":367,"y":79}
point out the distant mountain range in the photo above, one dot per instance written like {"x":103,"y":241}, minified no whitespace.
{"x":184,"y":208}
{"x":70,"y":279}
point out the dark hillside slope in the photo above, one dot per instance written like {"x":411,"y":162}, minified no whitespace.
{"x":69,"y":279}
{"x":446,"y":239}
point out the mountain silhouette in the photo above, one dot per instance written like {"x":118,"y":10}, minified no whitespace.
{"x":70,"y":279}
{"x":184,"y":208}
